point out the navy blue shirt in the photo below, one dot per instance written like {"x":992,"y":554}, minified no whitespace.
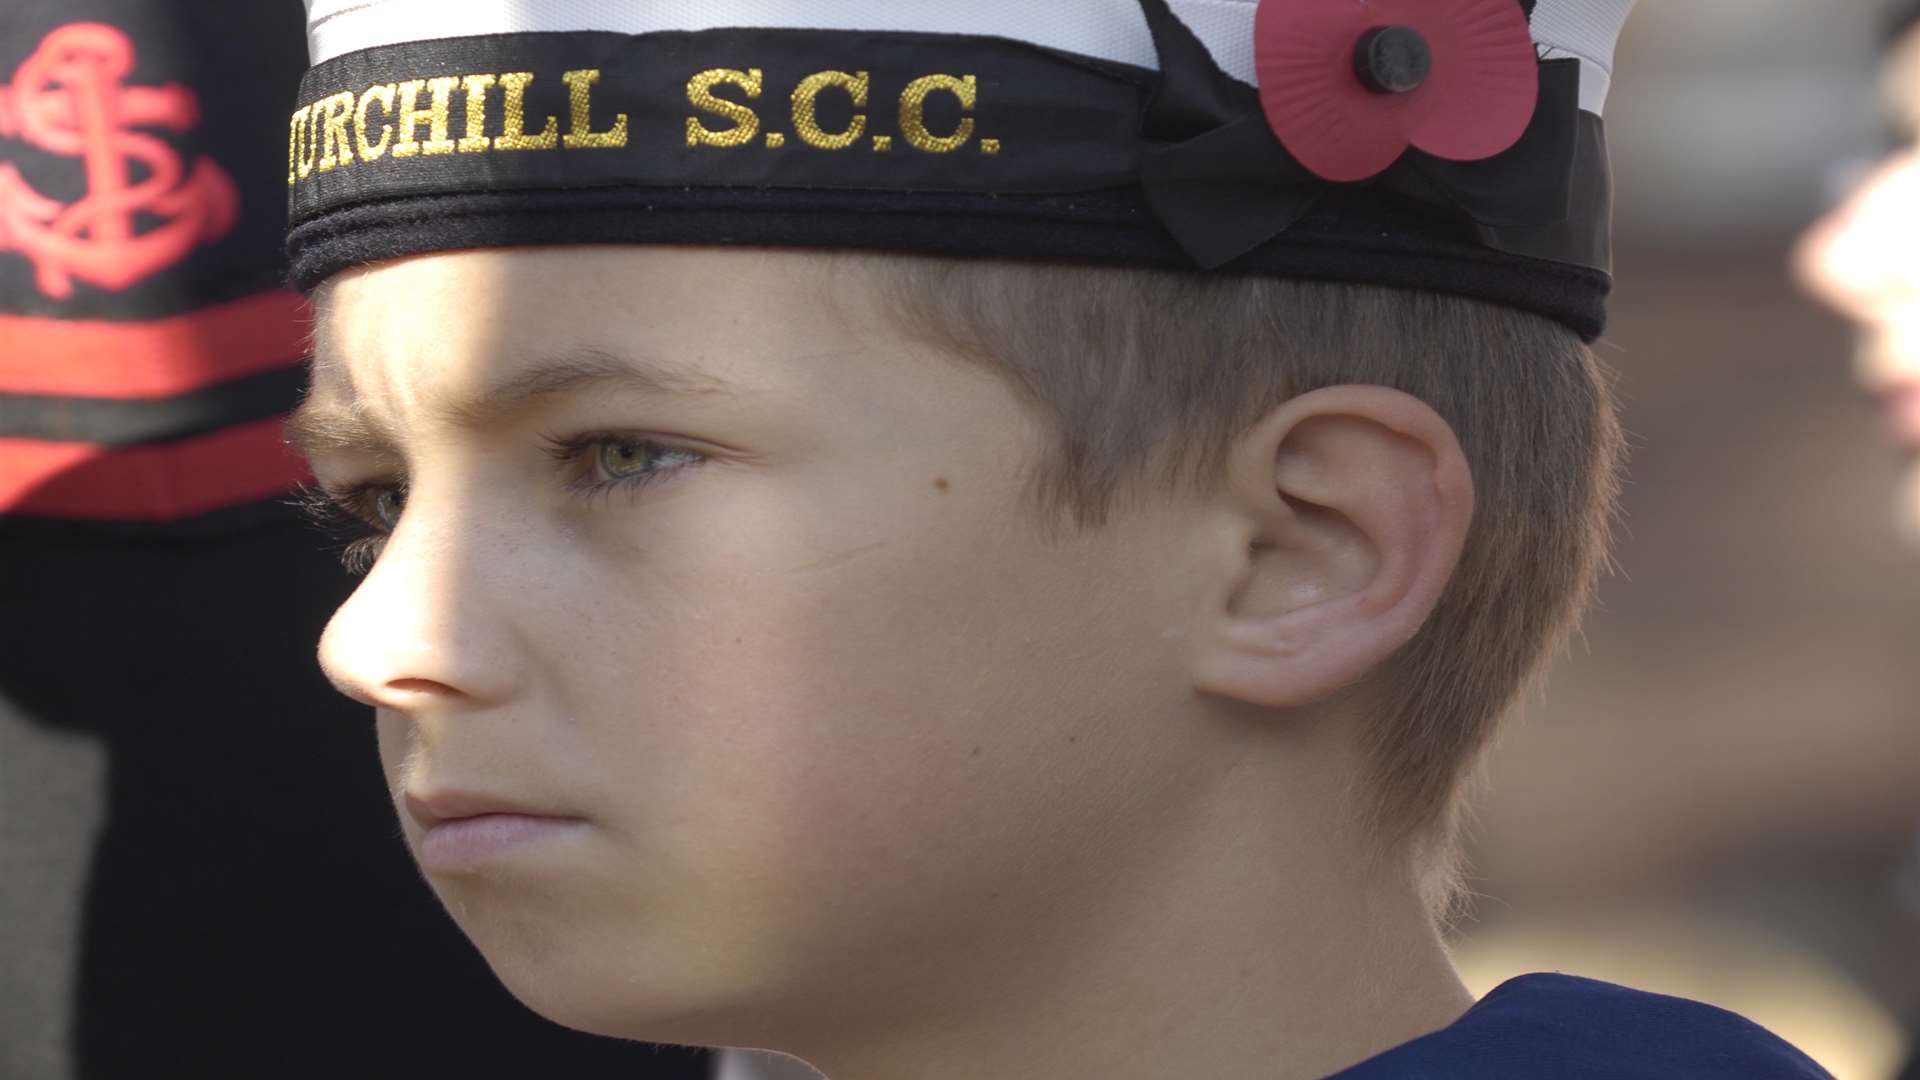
{"x":1566,"y":1028}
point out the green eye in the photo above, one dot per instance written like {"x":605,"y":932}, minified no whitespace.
{"x":387,"y":505}
{"x":617,"y":462}
{"x":624,"y":459}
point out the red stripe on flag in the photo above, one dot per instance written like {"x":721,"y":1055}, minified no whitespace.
{"x":157,"y":482}
{"x":161,"y":358}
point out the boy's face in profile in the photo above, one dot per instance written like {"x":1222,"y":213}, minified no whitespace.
{"x":718,"y":592}
{"x":1862,"y":260}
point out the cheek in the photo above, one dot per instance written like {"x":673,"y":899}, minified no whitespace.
{"x":391,"y":731}
{"x":838,"y":709}
{"x":836,"y":686}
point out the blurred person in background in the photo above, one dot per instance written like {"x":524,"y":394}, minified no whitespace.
{"x":1863,"y":260}
{"x":249,"y":909}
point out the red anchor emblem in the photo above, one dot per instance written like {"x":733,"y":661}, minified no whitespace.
{"x":70,"y":98}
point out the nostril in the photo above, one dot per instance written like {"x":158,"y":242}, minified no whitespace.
{"x":420,"y":686}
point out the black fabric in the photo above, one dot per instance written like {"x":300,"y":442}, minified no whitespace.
{"x":1065,"y":123}
{"x":1536,"y":1027}
{"x":236,"y":61}
{"x":1349,"y":236}
{"x":241,"y":59}
{"x":1223,"y":185}
{"x":212,"y":525}
{"x":1094,"y":162}
{"x":132,"y":422}
{"x":251,"y":910}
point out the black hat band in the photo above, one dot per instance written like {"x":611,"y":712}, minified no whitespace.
{"x":934,"y":143}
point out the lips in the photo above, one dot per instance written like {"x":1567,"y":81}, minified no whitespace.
{"x":467,"y":833}
{"x":436,"y":807}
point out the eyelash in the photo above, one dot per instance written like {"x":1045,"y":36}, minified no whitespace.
{"x":346,"y":513}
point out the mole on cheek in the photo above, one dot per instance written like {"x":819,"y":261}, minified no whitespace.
{"x":940,"y":482}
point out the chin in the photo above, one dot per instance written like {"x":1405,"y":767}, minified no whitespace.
{"x":594,"y":994}
{"x":641,"y":1010}
{"x":559,"y":967}
{"x":598,"y":984}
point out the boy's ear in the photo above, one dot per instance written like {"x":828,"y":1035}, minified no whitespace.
{"x":1339,"y":526}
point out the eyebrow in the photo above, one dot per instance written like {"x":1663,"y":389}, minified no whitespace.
{"x":337,"y":424}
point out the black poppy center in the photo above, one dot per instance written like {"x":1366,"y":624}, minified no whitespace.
{"x":1393,"y":60}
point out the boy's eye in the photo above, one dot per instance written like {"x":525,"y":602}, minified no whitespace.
{"x":387,"y":504}
{"x":365,"y":514}
{"x":605,"y":463}
{"x":625,"y":459}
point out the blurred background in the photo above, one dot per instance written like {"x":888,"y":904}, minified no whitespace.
{"x":1718,"y":793}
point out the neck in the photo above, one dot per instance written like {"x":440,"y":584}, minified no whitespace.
{"x":1218,"y":950}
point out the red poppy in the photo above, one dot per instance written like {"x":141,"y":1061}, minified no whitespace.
{"x":1349,"y":85}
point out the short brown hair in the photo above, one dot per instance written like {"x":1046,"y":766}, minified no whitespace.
{"x":1150,"y":377}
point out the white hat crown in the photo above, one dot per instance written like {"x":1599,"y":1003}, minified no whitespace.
{"x":1109,"y":29}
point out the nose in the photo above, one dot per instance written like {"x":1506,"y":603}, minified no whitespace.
{"x":423,"y":629}
{"x":1860,"y":259}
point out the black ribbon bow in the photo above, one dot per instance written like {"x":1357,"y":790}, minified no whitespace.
{"x":1223,"y":185}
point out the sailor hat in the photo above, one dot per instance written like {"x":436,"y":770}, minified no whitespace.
{"x":1448,"y":145}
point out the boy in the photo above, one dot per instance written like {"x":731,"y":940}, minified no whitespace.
{"x":1060,"y":662}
